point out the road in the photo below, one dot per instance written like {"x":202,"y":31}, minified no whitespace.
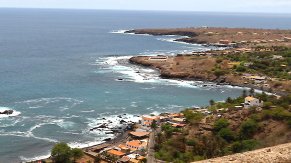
{"x":150,"y":155}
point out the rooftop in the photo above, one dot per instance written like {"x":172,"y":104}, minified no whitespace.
{"x":134,"y":143}
{"x":151,"y":118}
{"x":249,"y":98}
{"x":115,"y":152}
{"x":139,"y":134}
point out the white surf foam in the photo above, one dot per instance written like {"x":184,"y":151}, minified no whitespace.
{"x":110,"y":121}
{"x":15,"y":113}
{"x":140,"y":74}
{"x":85,"y":144}
{"x":121,"y":31}
{"x":35,"y":158}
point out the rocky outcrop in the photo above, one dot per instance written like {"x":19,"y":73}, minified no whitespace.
{"x":158,"y":32}
{"x":7,"y":112}
{"x":277,"y":154}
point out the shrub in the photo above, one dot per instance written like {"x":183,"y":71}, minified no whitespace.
{"x":219,"y":72}
{"x":191,"y":142}
{"x":220,"y":124}
{"x":227,"y":134}
{"x":240,"y":69}
{"x":289,"y":123}
{"x":77,"y":153}
{"x":219,"y":60}
{"x":244,"y":145}
{"x":248,"y":128}
{"x":267,"y":105}
{"x":192,"y":117}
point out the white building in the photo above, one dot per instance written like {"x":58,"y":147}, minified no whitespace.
{"x":148,"y":120}
{"x":251,"y":101}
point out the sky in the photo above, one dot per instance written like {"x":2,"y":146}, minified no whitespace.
{"x":265,"y":6}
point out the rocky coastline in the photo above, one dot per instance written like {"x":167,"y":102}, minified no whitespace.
{"x":224,"y":37}
{"x":184,"y":67}
{"x":204,"y":76}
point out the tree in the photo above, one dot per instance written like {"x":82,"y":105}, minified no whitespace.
{"x":154,"y":124}
{"x":244,"y":93}
{"x":61,"y":153}
{"x":252,"y":91}
{"x":229,"y":100}
{"x":211,"y":102}
{"x":77,"y":153}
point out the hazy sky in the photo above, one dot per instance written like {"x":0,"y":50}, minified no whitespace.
{"x":270,"y":6}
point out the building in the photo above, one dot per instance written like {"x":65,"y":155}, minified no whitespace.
{"x":136,"y":145}
{"x":277,"y":57}
{"x":124,"y":159}
{"x":139,"y":135}
{"x":251,"y":101}
{"x":148,"y":120}
{"x":158,"y":58}
{"x":224,"y":42}
{"x":179,"y":120}
{"x":257,"y":79}
{"x":115,"y":153}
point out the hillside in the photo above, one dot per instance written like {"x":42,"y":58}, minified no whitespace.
{"x":280,"y":153}
{"x":225,"y":128}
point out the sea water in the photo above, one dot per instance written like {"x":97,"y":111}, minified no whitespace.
{"x":64,"y":71}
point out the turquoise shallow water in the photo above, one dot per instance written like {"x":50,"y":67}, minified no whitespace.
{"x":59,"y":71}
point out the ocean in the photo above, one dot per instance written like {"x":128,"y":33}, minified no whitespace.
{"x":60,"y":72}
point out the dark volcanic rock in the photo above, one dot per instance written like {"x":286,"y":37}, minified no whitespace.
{"x":7,"y":112}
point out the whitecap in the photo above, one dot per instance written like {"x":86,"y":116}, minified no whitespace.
{"x":15,"y":113}
{"x":87,"y":111}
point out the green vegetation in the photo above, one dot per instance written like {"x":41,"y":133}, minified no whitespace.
{"x":275,"y":63}
{"x":220,"y":124}
{"x":192,"y":117}
{"x":227,"y":136}
{"x":62,"y":153}
{"x":245,"y":145}
{"x":248,"y":128}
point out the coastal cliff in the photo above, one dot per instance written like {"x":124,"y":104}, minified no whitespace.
{"x":243,"y":37}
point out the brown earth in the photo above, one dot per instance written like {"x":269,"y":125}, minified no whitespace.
{"x":201,"y":68}
{"x":276,"y":154}
{"x":211,"y":35}
{"x":180,"y":67}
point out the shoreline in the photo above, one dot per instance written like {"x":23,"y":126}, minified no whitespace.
{"x":222,"y":36}
{"x":242,"y":86}
{"x":183,"y":40}
{"x":190,"y":33}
